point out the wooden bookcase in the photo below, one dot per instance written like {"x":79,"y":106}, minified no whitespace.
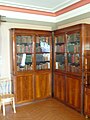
{"x":69,"y":50}
{"x":31,"y":64}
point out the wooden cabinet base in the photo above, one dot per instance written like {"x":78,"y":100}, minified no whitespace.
{"x":43,"y":85}
{"x":87,"y":102}
{"x":23,"y":88}
{"x":59,"y":86}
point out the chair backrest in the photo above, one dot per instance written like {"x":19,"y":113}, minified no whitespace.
{"x":5,"y":86}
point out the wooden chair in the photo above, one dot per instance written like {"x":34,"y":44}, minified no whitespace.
{"x":6,"y":97}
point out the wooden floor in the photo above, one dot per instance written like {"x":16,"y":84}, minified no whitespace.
{"x":50,"y":109}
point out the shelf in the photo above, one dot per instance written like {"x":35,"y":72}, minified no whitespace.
{"x":38,"y":62}
{"x":60,"y":43}
{"x":74,"y":42}
{"x":25,"y":53}
{"x":73,"y":52}
{"x":42,"y":52}
{"x":60,"y":52}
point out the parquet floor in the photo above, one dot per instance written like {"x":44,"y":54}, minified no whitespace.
{"x":50,"y":109}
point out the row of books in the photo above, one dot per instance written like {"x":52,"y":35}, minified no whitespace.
{"x":24,"y":48}
{"x":26,"y":67}
{"x":42,"y":39}
{"x":59,"y":39}
{"x":24,"y":39}
{"x":72,"y":68}
{"x":42,"y":57}
{"x":60,"y":66}
{"x":73,"y":58}
{"x":60,"y":48}
{"x":73,"y":37}
{"x":73,"y":47}
{"x":26,"y":59}
{"x":42,"y":66}
{"x":60,"y":58}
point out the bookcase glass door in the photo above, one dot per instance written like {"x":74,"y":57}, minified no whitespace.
{"x":42,"y":52}
{"x":24,"y":49}
{"x":73,"y":52}
{"x":60,"y":52}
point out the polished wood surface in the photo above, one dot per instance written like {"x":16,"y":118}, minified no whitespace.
{"x":73,"y":92}
{"x":59,"y":86}
{"x":49,"y":109}
{"x":30,"y":84}
{"x":23,"y":88}
{"x":42,"y":85}
{"x":87,"y":101}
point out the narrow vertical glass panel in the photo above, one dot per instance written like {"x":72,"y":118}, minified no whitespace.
{"x":43,"y":61}
{"x":73,"y":42}
{"x":60,"y":61}
{"x":59,"y":44}
{"x":24,"y":62}
{"x":42,"y":44}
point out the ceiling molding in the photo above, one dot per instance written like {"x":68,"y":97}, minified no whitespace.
{"x":48,"y":6}
{"x":72,"y":7}
{"x":39,"y":12}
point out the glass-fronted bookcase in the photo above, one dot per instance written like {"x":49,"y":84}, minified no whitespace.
{"x":68,"y":65}
{"x":67,"y":52}
{"x":31,"y":64}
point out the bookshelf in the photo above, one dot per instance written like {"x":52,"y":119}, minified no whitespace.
{"x":24,"y":49}
{"x":43,"y":52}
{"x":35,"y":63}
{"x":60,"y":52}
{"x":73,"y":52}
{"x":31,"y":64}
{"x":70,"y":44}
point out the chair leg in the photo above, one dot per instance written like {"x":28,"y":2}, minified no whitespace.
{"x":3,"y":108}
{"x":0,"y":107}
{"x":14,"y":105}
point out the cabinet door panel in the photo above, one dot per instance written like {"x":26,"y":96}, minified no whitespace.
{"x":43,"y":85}
{"x":59,"y":87}
{"x":23,"y":88}
{"x":73,"y":92}
{"x":87,"y":102}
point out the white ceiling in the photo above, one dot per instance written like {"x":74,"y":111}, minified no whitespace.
{"x":44,"y":5}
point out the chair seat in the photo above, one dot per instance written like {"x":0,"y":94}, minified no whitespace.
{"x":7,"y":96}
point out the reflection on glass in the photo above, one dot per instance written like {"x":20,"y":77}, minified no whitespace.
{"x":24,"y":62}
{"x":43,"y":44}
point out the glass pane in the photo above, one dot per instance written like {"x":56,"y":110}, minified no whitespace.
{"x":73,"y":42}
{"x":60,"y":61}
{"x":60,"y":44}
{"x":42,"y":44}
{"x":24,"y":44}
{"x":42,"y":61}
{"x":73,"y":62}
{"x":24,"y":62}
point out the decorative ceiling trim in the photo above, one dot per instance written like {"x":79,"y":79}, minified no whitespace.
{"x":72,"y":7}
{"x":38,"y":12}
{"x":24,"y":10}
